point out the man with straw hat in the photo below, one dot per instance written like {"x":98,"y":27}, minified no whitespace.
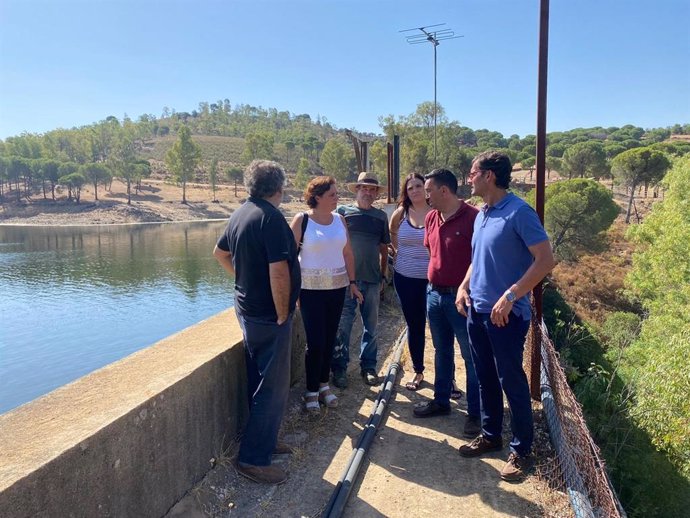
{"x":369,"y":235}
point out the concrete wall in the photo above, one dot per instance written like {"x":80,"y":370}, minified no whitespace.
{"x":131,"y":438}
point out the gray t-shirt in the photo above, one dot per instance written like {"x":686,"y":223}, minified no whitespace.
{"x":368,"y":230}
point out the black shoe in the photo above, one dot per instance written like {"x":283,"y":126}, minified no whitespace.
{"x":370,"y":377}
{"x":473,"y":427}
{"x":430,"y":409}
{"x":340,"y":379}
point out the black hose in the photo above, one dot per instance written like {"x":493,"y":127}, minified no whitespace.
{"x":343,"y":488}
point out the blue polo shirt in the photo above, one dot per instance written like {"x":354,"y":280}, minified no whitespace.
{"x":500,"y":256}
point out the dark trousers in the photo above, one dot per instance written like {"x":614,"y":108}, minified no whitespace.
{"x":267,"y":353}
{"x":412,"y":295}
{"x":497,"y":354}
{"x":321,"y":311}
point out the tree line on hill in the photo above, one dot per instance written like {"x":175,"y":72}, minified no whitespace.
{"x":114,"y":148}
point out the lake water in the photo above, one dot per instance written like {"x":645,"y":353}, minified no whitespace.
{"x":73,"y":299}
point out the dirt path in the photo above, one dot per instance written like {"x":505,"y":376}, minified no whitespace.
{"x":412,"y":468}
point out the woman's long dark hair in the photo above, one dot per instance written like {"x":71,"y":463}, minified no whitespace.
{"x":404,"y":199}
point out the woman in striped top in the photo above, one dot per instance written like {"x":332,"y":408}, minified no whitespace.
{"x":411,"y":264}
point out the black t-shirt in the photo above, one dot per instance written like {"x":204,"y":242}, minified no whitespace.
{"x":257,"y":235}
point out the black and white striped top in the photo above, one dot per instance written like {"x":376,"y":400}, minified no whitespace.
{"x":412,"y":259}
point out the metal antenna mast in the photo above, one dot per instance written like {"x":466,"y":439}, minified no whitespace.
{"x":434,"y":37}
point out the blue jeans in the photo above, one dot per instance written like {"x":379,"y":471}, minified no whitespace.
{"x":446,"y":323}
{"x":497,"y":353}
{"x":369,"y":311}
{"x":267,"y":350}
{"x":412,"y":295}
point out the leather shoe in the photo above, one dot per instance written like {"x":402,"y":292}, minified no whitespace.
{"x":262,"y":474}
{"x":516,"y":468}
{"x":480,"y":446}
{"x":430,"y":409}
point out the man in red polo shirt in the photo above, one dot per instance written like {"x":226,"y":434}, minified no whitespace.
{"x":448,"y":236}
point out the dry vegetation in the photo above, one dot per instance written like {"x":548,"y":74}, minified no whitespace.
{"x":594,"y":285}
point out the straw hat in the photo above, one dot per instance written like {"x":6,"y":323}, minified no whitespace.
{"x":365,"y":178}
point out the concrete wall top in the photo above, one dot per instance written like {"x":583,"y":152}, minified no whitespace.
{"x":36,"y":433}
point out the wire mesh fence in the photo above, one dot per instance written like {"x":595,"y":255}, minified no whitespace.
{"x":577,"y":468}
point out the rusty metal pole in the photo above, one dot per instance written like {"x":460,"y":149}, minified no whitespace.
{"x":541,"y":184}
{"x":389,"y":148}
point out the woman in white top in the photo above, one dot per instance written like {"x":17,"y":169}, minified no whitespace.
{"x":328,"y":269}
{"x":411,"y":266}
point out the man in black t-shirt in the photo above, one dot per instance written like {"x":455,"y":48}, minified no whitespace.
{"x":258,"y":249}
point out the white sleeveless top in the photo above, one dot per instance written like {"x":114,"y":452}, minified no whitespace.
{"x":412,"y":259}
{"x":321,"y":257}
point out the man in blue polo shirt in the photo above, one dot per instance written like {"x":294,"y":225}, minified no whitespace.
{"x":511,"y":254}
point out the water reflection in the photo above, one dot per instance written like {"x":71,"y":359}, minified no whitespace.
{"x":76,"y":298}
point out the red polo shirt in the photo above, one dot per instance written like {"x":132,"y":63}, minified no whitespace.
{"x":450,"y":245}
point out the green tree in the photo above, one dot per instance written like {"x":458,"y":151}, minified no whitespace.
{"x":183,"y":158}
{"x":302,"y":176}
{"x":74,"y":183}
{"x":659,"y":361}
{"x":123,"y":160}
{"x":552,"y":164}
{"x":213,"y":177}
{"x":577,"y":211}
{"x":96,"y":173}
{"x":529,"y":163}
{"x":585,"y":159}
{"x":289,"y":148}
{"x":235,"y":175}
{"x":257,"y":146}
{"x":636,"y":167}
{"x":51,"y":173}
{"x":3,"y":174}
{"x":335,"y":159}
{"x":461,"y":163}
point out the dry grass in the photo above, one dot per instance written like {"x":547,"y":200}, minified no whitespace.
{"x":594,"y":285}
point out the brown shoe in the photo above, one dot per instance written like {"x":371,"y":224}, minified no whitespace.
{"x":480,"y":446}
{"x":516,"y":468}
{"x":283,"y":448}
{"x":262,"y":474}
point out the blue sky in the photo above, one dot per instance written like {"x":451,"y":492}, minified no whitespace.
{"x":611,"y":62}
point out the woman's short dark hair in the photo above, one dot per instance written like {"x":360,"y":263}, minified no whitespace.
{"x":443,"y":177}
{"x":317,"y":187}
{"x":263,"y":178}
{"x":497,"y":162}
{"x":404,"y":198}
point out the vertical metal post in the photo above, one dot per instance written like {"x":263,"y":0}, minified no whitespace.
{"x":541,"y":183}
{"x":434,"y":38}
{"x":396,"y":166}
{"x":435,"y":43}
{"x":389,"y":168}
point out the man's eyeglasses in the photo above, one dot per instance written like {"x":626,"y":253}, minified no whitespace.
{"x":474,"y":174}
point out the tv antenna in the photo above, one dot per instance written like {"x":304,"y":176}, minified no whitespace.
{"x":433,"y":35}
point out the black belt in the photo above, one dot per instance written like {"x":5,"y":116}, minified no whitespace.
{"x":443,"y":289}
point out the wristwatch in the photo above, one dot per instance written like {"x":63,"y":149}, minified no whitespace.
{"x":510,"y":296}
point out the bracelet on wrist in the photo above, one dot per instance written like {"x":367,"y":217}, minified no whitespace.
{"x":353,"y":282}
